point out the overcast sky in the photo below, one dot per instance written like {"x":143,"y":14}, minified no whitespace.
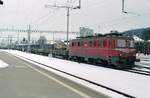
{"x":100,"y":15}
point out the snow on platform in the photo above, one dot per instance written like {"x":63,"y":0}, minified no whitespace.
{"x":129,"y":83}
{"x":142,"y":56}
{"x":3,"y":64}
{"x":144,"y":60}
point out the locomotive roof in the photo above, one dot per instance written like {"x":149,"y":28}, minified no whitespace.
{"x":112,"y":35}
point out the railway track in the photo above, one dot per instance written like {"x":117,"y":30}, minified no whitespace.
{"x":142,"y":70}
{"x":139,"y":69}
{"x":143,"y":64}
{"x":145,"y":67}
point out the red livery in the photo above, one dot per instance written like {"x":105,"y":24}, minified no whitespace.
{"x":114,"y":50}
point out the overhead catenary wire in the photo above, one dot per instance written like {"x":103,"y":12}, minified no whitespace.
{"x":115,"y":23}
{"x":99,"y":4}
{"x":126,"y":17}
{"x":73,"y":1}
{"x":68,"y":14}
{"x":47,"y":15}
{"x":41,"y":17}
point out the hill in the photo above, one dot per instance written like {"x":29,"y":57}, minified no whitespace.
{"x":143,"y":33}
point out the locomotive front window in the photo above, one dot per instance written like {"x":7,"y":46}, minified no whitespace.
{"x":131,"y":43}
{"x":121,"y":43}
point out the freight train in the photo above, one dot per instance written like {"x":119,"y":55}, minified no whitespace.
{"x":43,"y":49}
{"x":109,"y":49}
{"x":113,"y":50}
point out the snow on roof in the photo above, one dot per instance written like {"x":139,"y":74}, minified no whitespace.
{"x":136,"y":38}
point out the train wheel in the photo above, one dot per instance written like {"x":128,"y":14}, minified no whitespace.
{"x":91,"y":61}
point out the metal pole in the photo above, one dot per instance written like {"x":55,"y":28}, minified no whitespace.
{"x":79,"y":4}
{"x":18,"y":37}
{"x":122,"y":5}
{"x":68,"y":8}
{"x":67,"y":25}
{"x":8,"y":42}
{"x":123,"y":10}
{"x":29,"y":38}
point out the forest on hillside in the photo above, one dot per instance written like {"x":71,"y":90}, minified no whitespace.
{"x":143,"y":33}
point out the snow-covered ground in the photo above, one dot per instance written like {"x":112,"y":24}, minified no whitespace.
{"x":3,"y":64}
{"x":143,"y":57}
{"x":129,"y":83}
{"x":144,"y":60}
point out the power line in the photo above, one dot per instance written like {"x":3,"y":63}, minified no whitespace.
{"x":73,"y":1}
{"x":35,"y":31}
{"x":41,"y":17}
{"x":99,"y":3}
{"x":68,"y":13}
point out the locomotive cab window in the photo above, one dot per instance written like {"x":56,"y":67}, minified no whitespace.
{"x":130,"y":43}
{"x":121,"y":43}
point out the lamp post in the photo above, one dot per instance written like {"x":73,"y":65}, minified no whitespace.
{"x":67,"y":25}
{"x":29,"y":33}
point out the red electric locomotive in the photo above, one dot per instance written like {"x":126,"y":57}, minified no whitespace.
{"x":111,"y":49}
